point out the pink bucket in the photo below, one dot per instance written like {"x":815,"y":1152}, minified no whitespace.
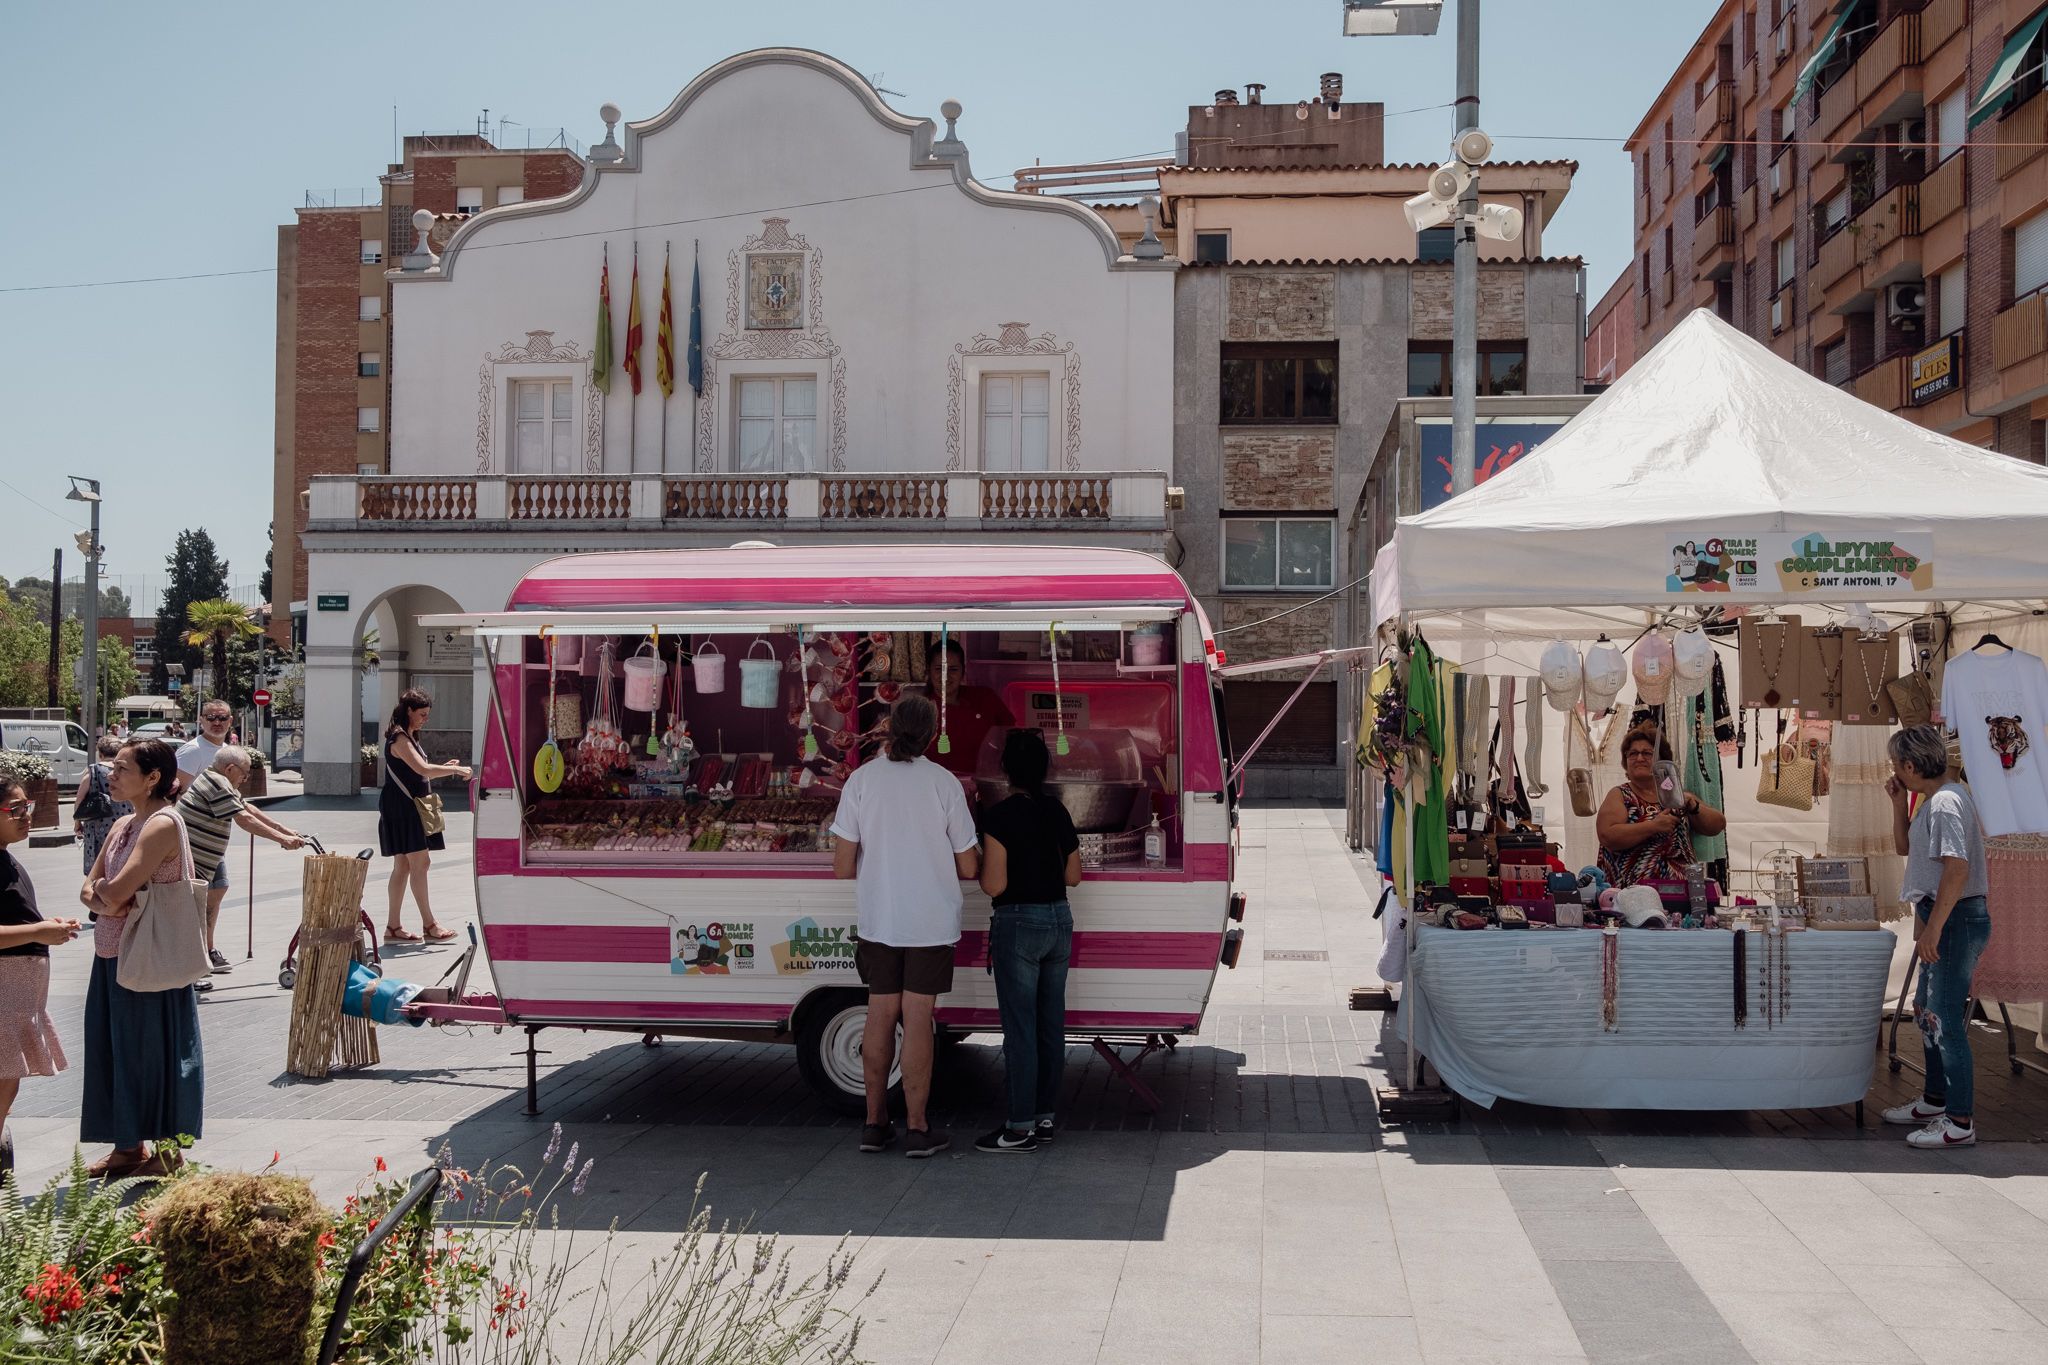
{"x":709,"y":667}
{"x":644,"y":672}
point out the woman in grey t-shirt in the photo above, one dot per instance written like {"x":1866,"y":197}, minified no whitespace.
{"x":1943,"y":845}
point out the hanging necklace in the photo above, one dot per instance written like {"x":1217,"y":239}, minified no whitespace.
{"x":1771,"y":670}
{"x":1831,"y":678}
{"x":1873,"y":692}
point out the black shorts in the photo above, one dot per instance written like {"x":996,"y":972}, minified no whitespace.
{"x":887,"y":970}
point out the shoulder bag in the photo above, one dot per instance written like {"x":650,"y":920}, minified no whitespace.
{"x":1578,"y":778}
{"x":97,"y":804}
{"x":429,"y":806}
{"x":1787,"y":779}
{"x":163,"y":940}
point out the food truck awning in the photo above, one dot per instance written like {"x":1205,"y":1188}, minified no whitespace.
{"x":781,"y":619}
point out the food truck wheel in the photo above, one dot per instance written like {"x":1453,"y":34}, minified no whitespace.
{"x":828,"y":1049}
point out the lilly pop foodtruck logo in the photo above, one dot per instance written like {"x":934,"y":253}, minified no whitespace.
{"x":810,"y":947}
{"x":1899,"y":563}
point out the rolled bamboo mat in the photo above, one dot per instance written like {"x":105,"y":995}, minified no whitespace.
{"x":330,"y":937}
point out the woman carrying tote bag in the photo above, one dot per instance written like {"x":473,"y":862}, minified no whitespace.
{"x":145,"y":1078}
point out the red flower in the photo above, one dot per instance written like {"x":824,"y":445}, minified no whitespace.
{"x":56,"y":1292}
{"x":327,"y":1238}
{"x":381,"y":1167}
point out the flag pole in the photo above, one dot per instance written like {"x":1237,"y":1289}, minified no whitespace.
{"x":693,"y":352}
{"x":633,"y":402}
{"x":664,"y":322}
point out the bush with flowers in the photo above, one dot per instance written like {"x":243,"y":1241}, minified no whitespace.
{"x":485,"y":1273}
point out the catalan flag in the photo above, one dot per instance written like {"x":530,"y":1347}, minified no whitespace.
{"x":665,"y":336}
{"x":601,"y":352}
{"x":632,"y":362}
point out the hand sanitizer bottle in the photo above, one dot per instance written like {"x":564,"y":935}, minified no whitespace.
{"x":1155,"y":844}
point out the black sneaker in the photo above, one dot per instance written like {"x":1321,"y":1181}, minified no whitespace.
{"x":220,"y":963}
{"x":918,"y":1142}
{"x":1043,"y":1131}
{"x":1007,"y":1139}
{"x":202,"y":986}
{"x":875,"y":1137}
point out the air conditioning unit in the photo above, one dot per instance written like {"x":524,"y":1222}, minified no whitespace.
{"x":1777,"y":314}
{"x":1912,"y":132}
{"x":1906,"y":301}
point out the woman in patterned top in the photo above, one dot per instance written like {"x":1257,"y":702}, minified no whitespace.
{"x":1639,"y":839}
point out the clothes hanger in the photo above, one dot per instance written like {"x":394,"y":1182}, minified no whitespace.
{"x":1990,"y":639}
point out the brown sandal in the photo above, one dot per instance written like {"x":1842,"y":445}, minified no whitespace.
{"x":395,"y":934}
{"x":439,"y":935}
{"x":114,"y":1166}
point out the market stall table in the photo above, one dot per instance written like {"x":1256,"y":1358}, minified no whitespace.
{"x":1518,"y":1016}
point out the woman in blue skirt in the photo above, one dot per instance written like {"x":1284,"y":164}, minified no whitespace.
{"x":145,"y":1079}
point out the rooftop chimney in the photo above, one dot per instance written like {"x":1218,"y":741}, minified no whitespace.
{"x":1333,"y":87}
{"x":1225,"y":97}
{"x":1254,"y":93}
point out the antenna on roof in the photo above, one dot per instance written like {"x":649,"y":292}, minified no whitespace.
{"x":881,"y":89}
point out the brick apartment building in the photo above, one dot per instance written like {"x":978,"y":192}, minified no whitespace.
{"x":1861,"y":186}
{"x":1306,"y":311}
{"x":334,"y":321}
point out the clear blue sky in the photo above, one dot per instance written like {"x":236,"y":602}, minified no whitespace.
{"x":152,"y":139}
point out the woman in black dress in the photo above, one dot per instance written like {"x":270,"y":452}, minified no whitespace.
{"x":401,"y":833}
{"x":1030,"y":856}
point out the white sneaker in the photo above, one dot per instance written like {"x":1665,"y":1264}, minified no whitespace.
{"x":1943,"y":1133}
{"x":1918,"y":1114}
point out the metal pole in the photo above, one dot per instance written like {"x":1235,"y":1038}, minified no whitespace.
{"x":56,"y":627}
{"x":1465,"y":268}
{"x":89,"y":694}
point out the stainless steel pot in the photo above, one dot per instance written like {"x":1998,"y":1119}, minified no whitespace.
{"x":1094,"y":807}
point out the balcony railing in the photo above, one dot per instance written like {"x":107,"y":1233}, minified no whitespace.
{"x":1714,"y":120}
{"x":1895,"y":48}
{"x":1940,"y":21}
{"x":1745,"y":209}
{"x":681,"y":500}
{"x":2020,"y":332}
{"x":1942,"y":192}
{"x":1882,"y":384}
{"x":1714,"y":233}
{"x":1666,"y":288}
{"x":1892,"y":216}
{"x":2020,"y":135}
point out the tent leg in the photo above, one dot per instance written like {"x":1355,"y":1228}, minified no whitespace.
{"x":2012,"y":1049}
{"x":532,"y":1072}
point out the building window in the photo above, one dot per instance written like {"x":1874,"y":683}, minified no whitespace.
{"x":368,"y":471}
{"x":369,"y":364}
{"x":1503,"y":368}
{"x":369,"y":419}
{"x":777,"y":425}
{"x":469,"y":199}
{"x":1265,"y":382}
{"x":1834,"y":362}
{"x":2030,"y":256}
{"x":1015,"y":422}
{"x":543,"y":426}
{"x":1212,"y":248}
{"x":510,"y":194}
{"x":1436,"y":244}
{"x":1786,"y":254}
{"x":1951,"y":300}
{"x":1950,"y":122}
{"x":1670,"y":182}
{"x":370,"y":308}
{"x":373,"y":252}
{"x":1282,"y":554}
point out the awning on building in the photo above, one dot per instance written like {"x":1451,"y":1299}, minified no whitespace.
{"x":1845,"y":12}
{"x":2003,"y":82}
{"x":1717,"y":156}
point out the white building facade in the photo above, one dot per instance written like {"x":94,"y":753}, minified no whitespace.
{"x":890,"y":350}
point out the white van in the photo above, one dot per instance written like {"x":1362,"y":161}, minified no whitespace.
{"x":61,"y":742}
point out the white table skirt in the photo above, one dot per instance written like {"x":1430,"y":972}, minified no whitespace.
{"x":1516,"y":1015}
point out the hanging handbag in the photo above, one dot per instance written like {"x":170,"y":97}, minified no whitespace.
{"x":1578,"y":781}
{"x":163,"y":939}
{"x":1517,"y":803}
{"x":1786,"y":779}
{"x":1912,"y":698}
{"x":431,"y":816}
{"x":567,"y":721}
{"x":97,"y":804}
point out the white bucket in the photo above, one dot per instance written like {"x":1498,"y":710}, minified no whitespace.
{"x":644,"y":673}
{"x":568,"y":650}
{"x":1148,"y":646}
{"x":709,"y":666}
{"x":760,"y":678}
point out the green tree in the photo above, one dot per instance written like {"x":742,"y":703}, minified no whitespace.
{"x":33,"y":593}
{"x":198,"y":574}
{"x":25,"y":655}
{"x":213,"y":625}
{"x":114,"y":604}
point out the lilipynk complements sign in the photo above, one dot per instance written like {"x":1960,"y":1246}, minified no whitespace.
{"x":1777,"y":564}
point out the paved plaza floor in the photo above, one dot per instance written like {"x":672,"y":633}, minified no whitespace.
{"x":1265,"y":1214}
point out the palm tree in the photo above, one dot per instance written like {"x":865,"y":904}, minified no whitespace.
{"x":215,"y":622}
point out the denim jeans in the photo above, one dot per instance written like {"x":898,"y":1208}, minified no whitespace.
{"x":1028,"y":950}
{"x":1943,"y":1000}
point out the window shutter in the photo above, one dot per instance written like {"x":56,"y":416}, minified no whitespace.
{"x":1949,"y":116}
{"x":2030,"y":255}
{"x":1836,"y":362}
{"x":1952,"y":298}
{"x":1307,"y":734}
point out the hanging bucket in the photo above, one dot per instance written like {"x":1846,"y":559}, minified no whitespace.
{"x":1148,"y":646}
{"x":568,"y":651}
{"x":709,"y":666}
{"x":376,"y":998}
{"x":760,"y":679}
{"x":644,"y":672}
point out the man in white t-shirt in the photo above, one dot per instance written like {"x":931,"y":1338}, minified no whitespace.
{"x":906,"y":840}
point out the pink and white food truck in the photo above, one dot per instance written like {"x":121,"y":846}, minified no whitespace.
{"x":666,"y":738}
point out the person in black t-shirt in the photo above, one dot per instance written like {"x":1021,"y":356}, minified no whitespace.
{"x":28,"y":1040}
{"x":1030,"y":857}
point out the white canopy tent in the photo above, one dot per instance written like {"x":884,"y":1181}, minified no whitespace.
{"x":1711,"y":438}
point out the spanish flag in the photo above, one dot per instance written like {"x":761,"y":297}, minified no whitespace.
{"x":632,"y":362}
{"x":601,"y":352}
{"x":665,"y":336}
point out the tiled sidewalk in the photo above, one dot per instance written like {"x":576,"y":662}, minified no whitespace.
{"x":1263,"y":1216}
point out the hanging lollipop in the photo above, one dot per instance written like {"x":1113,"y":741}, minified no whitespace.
{"x":803,"y":655}
{"x":1059,"y":710}
{"x":675,"y":741}
{"x":547,"y":764}
{"x":945,"y":665}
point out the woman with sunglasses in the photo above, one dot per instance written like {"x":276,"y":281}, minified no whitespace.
{"x":1641,"y":839}
{"x":28,"y":1040}
{"x":145,"y":1076}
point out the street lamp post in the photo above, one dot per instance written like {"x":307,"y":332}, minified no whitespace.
{"x":1465,"y":269}
{"x":87,"y":491}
